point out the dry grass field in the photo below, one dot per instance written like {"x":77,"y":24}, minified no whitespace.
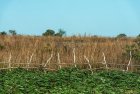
{"x":57,"y":52}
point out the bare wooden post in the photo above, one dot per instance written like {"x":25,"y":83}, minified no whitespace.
{"x":89,"y":64}
{"x":129,"y":63}
{"x":58,"y":58}
{"x":9,"y":61}
{"x":30,"y":60}
{"x":104,"y":61}
{"x":48,"y":60}
{"x":74,"y":57}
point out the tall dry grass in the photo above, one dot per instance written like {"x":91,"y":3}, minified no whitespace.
{"x":28,"y":50}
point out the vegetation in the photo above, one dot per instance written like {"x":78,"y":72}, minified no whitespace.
{"x":12,"y":32}
{"x":50,"y":32}
{"x":60,"y":33}
{"x":3,"y":33}
{"x":138,"y":36}
{"x":38,"y":50}
{"x":134,"y":49}
{"x":121,"y":35}
{"x":68,"y":81}
{"x":48,"y":52}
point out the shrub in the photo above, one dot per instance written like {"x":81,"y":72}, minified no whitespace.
{"x":49,"y":32}
{"x":135,"y":49}
{"x":121,"y":35}
{"x":3,"y":33}
{"x":12,"y":32}
{"x":138,"y":36}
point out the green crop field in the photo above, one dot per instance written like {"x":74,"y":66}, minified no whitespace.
{"x":68,"y":81}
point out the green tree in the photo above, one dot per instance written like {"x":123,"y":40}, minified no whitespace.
{"x":49,"y":32}
{"x":60,"y":33}
{"x":12,"y":32}
{"x":122,"y":35}
{"x":138,"y":36}
{"x":3,"y":33}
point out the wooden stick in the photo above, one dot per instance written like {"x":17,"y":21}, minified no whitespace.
{"x":10,"y":56}
{"x":58,"y":57}
{"x":48,"y":60}
{"x":74,"y":57}
{"x":30,"y":60}
{"x":89,"y":64}
{"x":129,"y":63}
{"x":104,"y":61}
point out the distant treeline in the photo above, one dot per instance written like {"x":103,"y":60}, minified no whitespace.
{"x":60,"y":33}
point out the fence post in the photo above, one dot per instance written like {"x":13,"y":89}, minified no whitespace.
{"x":104,"y":61}
{"x":30,"y":60}
{"x":48,"y":60}
{"x":9,"y":61}
{"x":74,"y":57}
{"x":89,"y":64}
{"x":58,"y":58}
{"x":129,"y":63}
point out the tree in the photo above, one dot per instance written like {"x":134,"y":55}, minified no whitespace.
{"x":122,"y":35}
{"x":12,"y":32}
{"x":60,"y":33}
{"x":138,"y":36}
{"x":49,"y":32}
{"x":3,"y":33}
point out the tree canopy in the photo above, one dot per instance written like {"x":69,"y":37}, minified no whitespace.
{"x":51,"y":32}
{"x":122,"y":35}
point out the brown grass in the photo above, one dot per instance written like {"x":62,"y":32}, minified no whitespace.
{"x":37,"y":50}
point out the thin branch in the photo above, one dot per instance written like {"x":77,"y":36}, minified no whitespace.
{"x":104,"y":61}
{"x":129,"y":63}
{"x":89,"y":64}
{"x":30,"y":60}
{"x":48,"y":60}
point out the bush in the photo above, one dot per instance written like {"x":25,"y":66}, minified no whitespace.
{"x":138,"y":36}
{"x":60,"y":33}
{"x":3,"y":33}
{"x":49,"y":32}
{"x":121,"y":36}
{"x":12,"y":32}
{"x":135,"y":50}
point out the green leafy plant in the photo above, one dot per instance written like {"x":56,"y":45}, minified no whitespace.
{"x":68,"y":81}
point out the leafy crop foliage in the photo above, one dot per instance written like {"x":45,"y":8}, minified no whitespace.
{"x":68,"y":81}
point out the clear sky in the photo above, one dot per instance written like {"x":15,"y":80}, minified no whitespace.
{"x":94,"y":17}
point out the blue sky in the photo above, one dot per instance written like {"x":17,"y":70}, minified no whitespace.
{"x":93,"y":17}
